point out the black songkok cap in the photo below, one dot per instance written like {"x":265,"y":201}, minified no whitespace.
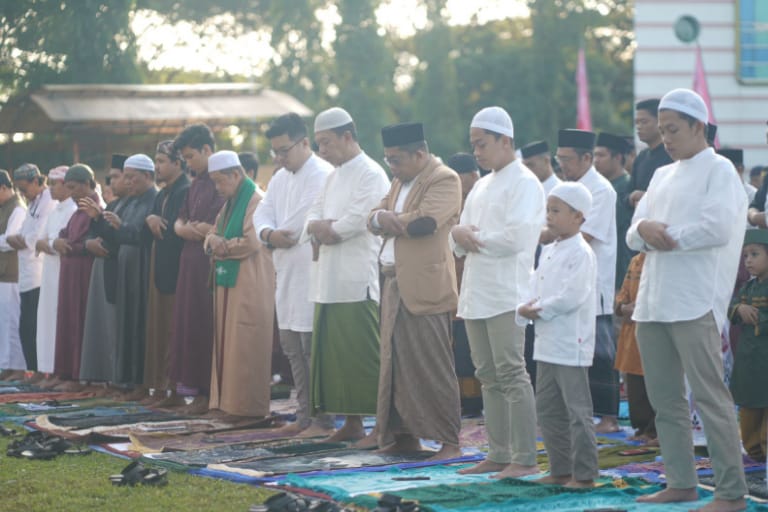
{"x":652,"y":106}
{"x":26,"y":172}
{"x":613,"y":142}
{"x":402,"y":134}
{"x":711,"y":133}
{"x":117,"y":161}
{"x":580,"y":139}
{"x":735,"y":155}
{"x":537,"y":147}
{"x":80,"y":173}
{"x":5,"y":178}
{"x":462,"y":163}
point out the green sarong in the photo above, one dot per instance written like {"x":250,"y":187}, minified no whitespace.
{"x":345,"y":358}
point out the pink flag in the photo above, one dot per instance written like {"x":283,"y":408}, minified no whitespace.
{"x":583,"y":117}
{"x":700,"y":87}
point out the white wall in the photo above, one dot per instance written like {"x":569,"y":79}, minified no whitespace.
{"x":663,"y":63}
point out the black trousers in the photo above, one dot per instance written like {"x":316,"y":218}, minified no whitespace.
{"x":28,"y":326}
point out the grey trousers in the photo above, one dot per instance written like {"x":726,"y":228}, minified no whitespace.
{"x":669,"y":351}
{"x":564,"y":409}
{"x":297,"y":348}
{"x":497,"y":348}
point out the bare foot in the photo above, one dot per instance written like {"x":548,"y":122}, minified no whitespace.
{"x":652,"y":442}
{"x":580,"y":484}
{"x":670,"y":495}
{"x":368,"y":442}
{"x":553,"y":480}
{"x":35,"y":378}
{"x":607,"y":425}
{"x":198,"y":406}
{"x":403,"y":444}
{"x":446,"y":452}
{"x":352,"y":430}
{"x":50,"y":382}
{"x":487,"y":466}
{"x":315,"y":431}
{"x":71,"y":386}
{"x":516,"y":471}
{"x":15,"y":375}
{"x":718,"y":505}
{"x":171,"y":401}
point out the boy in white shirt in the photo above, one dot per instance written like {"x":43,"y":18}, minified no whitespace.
{"x":562,"y":305}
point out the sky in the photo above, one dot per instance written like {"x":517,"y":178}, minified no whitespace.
{"x":184,"y":46}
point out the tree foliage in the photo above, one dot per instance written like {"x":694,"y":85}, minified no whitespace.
{"x":441,"y":75}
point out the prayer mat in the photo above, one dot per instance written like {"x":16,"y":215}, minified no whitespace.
{"x":235,"y":453}
{"x":19,"y":388}
{"x":90,"y":420}
{"x":154,"y":443}
{"x":44,"y":395}
{"x":341,"y":459}
{"x":515,"y":494}
{"x":756,"y":483}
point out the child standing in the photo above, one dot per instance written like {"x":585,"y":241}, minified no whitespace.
{"x":641,"y":413}
{"x":562,"y":305}
{"x":749,"y":380}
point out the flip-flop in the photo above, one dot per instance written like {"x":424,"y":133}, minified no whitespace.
{"x":285,"y":502}
{"x":7,"y":432}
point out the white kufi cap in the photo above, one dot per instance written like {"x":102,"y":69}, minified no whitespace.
{"x":575,"y":195}
{"x":332,"y":118}
{"x":494,"y":119}
{"x":687,"y":102}
{"x":223,"y":160}
{"x":58,"y":173}
{"x":140,"y":162}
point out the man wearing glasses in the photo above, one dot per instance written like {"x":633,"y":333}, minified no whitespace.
{"x":418,"y":388}
{"x":279,"y":220}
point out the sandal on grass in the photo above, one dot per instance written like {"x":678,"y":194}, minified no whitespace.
{"x":7,"y":432}
{"x":136,"y":473}
{"x":282,"y":502}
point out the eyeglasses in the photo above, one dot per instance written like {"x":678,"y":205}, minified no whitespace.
{"x":564,"y":159}
{"x":283,"y":152}
{"x":393,"y":161}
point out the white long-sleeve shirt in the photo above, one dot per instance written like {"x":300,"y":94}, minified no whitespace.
{"x":564,"y":286}
{"x":285,"y":205}
{"x":33,"y":228}
{"x":348,"y":271}
{"x":600,"y":224}
{"x":508,"y":208}
{"x":704,"y":205}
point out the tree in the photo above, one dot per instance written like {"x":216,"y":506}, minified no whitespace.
{"x":55,"y":41}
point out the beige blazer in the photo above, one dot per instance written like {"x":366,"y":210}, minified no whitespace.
{"x":424,"y":266}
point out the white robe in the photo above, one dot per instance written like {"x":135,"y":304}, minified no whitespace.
{"x":49,"y":287}
{"x":286,"y":202}
{"x":11,"y":355}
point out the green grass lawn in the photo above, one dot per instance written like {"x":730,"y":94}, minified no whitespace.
{"x":81,"y":483}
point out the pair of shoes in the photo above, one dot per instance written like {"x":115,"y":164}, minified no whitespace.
{"x":392,"y":503}
{"x":7,"y":432}
{"x":41,"y":446}
{"x":287,"y":502}
{"x":136,"y":473}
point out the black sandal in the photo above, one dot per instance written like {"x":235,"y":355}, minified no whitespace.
{"x":135,"y":473}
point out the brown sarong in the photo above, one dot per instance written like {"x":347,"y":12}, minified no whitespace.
{"x":159,"y":333}
{"x":418,"y":388}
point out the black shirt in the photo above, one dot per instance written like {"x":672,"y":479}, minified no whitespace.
{"x":646,"y":163}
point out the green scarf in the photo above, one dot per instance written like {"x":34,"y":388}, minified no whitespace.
{"x":234,"y":213}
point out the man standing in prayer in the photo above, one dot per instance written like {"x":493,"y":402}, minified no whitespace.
{"x":575,"y":154}
{"x":97,"y":362}
{"x":279,"y":220}
{"x":244,"y":300}
{"x":344,"y":278}
{"x":498,"y":232}
{"x":650,"y":158}
{"x":49,"y":286}
{"x":609,"y":161}
{"x":685,"y":225}
{"x":163,"y":271}
{"x":132,"y":272}
{"x":12,"y":214}
{"x":74,"y":277}
{"x":31,"y":184}
{"x":418,"y":296}
{"x":192,"y":342}
{"x":536,"y":157}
